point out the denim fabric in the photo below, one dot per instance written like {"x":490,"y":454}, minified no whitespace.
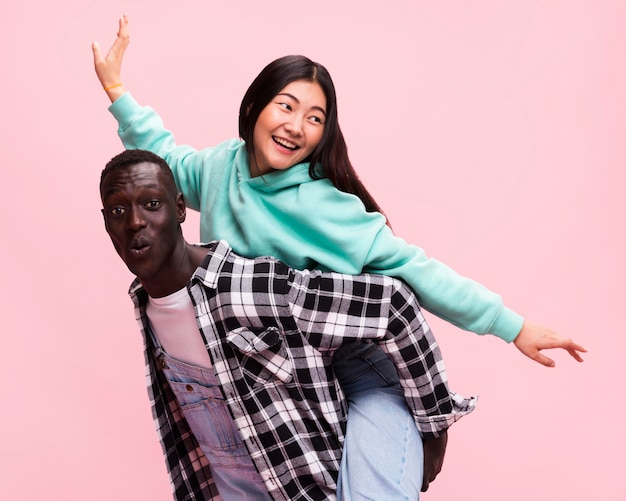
{"x":205,"y":410}
{"x":383,"y":456}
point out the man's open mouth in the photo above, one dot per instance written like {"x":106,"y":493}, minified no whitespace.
{"x":139,"y":246}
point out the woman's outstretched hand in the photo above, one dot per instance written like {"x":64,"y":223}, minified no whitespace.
{"x":533,"y":338}
{"x":109,"y":67}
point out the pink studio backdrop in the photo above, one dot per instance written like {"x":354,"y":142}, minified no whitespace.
{"x":491,"y":131}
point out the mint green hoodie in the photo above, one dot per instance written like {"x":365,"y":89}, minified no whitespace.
{"x":306,"y":223}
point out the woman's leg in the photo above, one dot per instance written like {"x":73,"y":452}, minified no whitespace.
{"x":383,"y":456}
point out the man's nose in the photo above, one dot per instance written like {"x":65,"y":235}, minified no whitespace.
{"x":136,"y":219}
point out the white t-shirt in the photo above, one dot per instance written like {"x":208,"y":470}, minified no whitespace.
{"x":173,"y":321}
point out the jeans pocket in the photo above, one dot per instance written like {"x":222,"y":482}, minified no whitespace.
{"x":367,"y":368}
{"x":190,"y":393}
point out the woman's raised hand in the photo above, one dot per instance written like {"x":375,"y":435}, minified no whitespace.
{"x":109,"y":67}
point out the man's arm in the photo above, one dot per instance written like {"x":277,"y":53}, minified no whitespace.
{"x":332,"y":309}
{"x":412,"y":346}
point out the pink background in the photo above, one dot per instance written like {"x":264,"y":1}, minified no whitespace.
{"x":491,"y":131}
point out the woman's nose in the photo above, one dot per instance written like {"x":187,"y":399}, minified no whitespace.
{"x":294,"y":126}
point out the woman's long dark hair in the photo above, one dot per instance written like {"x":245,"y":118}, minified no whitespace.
{"x":330,"y":157}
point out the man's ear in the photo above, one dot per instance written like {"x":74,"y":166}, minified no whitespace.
{"x":106,"y":224}
{"x":181,"y":208}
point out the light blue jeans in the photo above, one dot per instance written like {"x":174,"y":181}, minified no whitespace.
{"x":383,"y":457}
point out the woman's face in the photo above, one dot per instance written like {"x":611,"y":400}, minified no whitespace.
{"x":289,"y":127}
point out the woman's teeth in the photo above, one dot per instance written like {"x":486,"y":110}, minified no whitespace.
{"x":284,"y":143}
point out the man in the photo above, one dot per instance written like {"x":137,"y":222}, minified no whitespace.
{"x":239,"y":351}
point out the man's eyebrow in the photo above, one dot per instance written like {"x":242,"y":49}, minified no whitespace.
{"x":319,"y":108}
{"x":108,"y":192}
{"x":112,"y":190}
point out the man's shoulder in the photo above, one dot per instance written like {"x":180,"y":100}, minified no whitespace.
{"x":222,"y":261}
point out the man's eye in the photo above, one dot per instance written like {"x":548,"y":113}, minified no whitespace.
{"x":117,"y":211}
{"x":153,"y":204}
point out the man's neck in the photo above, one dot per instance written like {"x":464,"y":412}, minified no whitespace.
{"x":176,"y":274}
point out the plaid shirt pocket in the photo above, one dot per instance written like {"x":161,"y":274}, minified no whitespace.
{"x":264,"y":355}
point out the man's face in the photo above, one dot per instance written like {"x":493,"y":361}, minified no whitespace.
{"x":142,"y":217}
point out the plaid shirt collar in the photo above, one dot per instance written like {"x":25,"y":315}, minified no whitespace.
{"x":209,"y":271}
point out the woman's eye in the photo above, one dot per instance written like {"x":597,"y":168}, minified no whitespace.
{"x":286,"y":106}
{"x":317,"y":120}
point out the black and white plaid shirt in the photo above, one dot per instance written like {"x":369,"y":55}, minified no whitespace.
{"x":271,"y":332}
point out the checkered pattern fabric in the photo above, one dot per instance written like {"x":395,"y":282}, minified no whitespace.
{"x":271,"y":332}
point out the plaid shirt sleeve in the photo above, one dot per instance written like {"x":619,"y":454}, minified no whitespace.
{"x":333,"y":309}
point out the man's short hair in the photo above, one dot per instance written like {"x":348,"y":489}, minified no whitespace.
{"x":128,"y":158}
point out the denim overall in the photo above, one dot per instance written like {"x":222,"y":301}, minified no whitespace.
{"x":200,"y":398}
